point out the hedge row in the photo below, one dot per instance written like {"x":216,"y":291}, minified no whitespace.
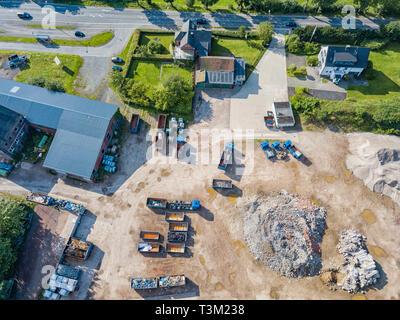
{"x":132,"y":48}
{"x":234,"y":34}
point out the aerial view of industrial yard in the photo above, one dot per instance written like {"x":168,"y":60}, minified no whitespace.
{"x":200,"y":150}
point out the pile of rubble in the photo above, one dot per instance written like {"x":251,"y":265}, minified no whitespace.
{"x":284,"y":232}
{"x":359,"y":268}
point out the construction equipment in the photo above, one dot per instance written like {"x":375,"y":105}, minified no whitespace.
{"x":78,"y":249}
{"x":149,"y":235}
{"x":269,"y":152}
{"x":222,"y":184}
{"x":292,"y":149}
{"x":175,"y":247}
{"x":269,"y":119}
{"x":178,"y":226}
{"x":151,"y":247}
{"x":171,"y":281}
{"x":177,"y":236}
{"x":157,"y":203}
{"x":280,"y":152}
{"x":227,"y":156}
{"x":134,"y":124}
{"x":174,"y":216}
{"x":144,"y":283}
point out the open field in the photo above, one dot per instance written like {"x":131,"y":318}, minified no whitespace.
{"x":164,"y":38}
{"x":43,"y":65}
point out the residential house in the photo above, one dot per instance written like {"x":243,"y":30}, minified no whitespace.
{"x":220,"y":72}
{"x":337,"y":61}
{"x":191,"y":43}
{"x":82,"y":128}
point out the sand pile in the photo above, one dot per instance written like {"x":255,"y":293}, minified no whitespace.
{"x":284,"y":232}
{"x":375,"y":159}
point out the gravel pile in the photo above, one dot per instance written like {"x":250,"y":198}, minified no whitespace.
{"x":284,"y":232}
{"x":359,"y":268}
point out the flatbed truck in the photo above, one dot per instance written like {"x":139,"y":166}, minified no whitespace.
{"x":292,"y":149}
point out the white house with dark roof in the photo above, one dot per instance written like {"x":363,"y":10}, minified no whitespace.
{"x":337,"y":61}
{"x":82,"y":128}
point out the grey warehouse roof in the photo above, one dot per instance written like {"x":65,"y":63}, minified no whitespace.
{"x":81,"y":123}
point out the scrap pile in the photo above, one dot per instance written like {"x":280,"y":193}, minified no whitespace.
{"x":284,"y":232}
{"x":359,"y":268}
{"x":172,"y":281}
{"x":144,"y":247}
{"x":59,"y":286}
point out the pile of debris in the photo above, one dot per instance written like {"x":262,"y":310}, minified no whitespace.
{"x":359,"y":268}
{"x":284,"y":232}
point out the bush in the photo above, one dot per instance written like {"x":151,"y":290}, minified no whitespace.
{"x":39,"y":82}
{"x":155,"y":47}
{"x":265,"y":31}
{"x":301,"y":90}
{"x":292,"y":68}
{"x":189,"y":3}
{"x":292,"y":71}
{"x":242,"y":31}
{"x":312,"y":61}
{"x":55,"y":85}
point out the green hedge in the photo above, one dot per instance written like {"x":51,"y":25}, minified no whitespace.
{"x":234,"y":34}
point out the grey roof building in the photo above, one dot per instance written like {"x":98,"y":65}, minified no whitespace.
{"x":81,"y":124}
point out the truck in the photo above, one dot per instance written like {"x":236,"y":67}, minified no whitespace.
{"x":222,"y":184}
{"x":269,"y":152}
{"x":176,"y":236}
{"x":226,"y":157}
{"x":144,"y":283}
{"x":134,"y":124}
{"x":292,"y":149}
{"x":150,"y":247}
{"x":178,"y":226}
{"x":279,"y":151}
{"x":40,"y":199}
{"x":71,"y":206}
{"x":162,"y":122}
{"x":269,"y":119}
{"x":171,"y":281}
{"x":174,"y":216}
{"x":157,"y":203}
{"x":149,"y":235}
{"x":78,"y":249}
{"x":176,"y":247}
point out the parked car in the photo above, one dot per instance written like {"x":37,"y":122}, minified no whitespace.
{"x":117,"y":68}
{"x":117,"y":60}
{"x":79,"y":34}
{"x":24,"y":15}
{"x":291,"y":24}
{"x":202,"y":21}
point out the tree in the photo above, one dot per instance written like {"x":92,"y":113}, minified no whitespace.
{"x":155,"y":47}
{"x":55,"y":85}
{"x":8,"y":257}
{"x":137,"y":93}
{"x":116,"y":79}
{"x":38,"y":81}
{"x":265,"y":31}
{"x":323,"y":4}
{"x":364,"y":4}
{"x":242,"y":4}
{"x":170,"y":2}
{"x":174,"y":92}
{"x":12,"y":215}
{"x":189,"y":3}
{"x":242,"y":31}
{"x":393,"y":30}
{"x":142,"y":51}
{"x":207,"y":3}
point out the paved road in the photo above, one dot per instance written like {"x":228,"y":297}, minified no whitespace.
{"x":122,"y":21}
{"x":267,"y":83}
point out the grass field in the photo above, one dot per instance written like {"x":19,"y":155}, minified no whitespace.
{"x":57,"y":27}
{"x":97,"y":40}
{"x":164,"y":38}
{"x":43,"y":65}
{"x":386,"y":71}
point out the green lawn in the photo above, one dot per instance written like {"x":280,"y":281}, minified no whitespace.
{"x":386,"y":71}
{"x":57,"y":27}
{"x":249,"y":50}
{"x":164,"y":38}
{"x":97,"y":40}
{"x":43,"y":65}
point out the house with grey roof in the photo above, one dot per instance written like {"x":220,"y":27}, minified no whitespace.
{"x":82,"y":128}
{"x":337,"y":61}
{"x":191,"y":43}
{"x":220,"y":72}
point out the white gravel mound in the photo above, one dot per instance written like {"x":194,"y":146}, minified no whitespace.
{"x":284,"y":232}
{"x":375,"y":159}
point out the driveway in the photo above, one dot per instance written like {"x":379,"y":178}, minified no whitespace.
{"x":266,"y":84}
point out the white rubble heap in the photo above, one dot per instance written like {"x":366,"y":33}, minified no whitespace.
{"x":359,"y":268}
{"x":284,"y":232}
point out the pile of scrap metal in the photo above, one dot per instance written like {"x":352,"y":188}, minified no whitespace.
{"x":60,"y":286}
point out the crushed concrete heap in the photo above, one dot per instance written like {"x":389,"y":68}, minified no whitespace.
{"x":375,"y":159}
{"x":284,"y":232}
{"x":359,"y":268}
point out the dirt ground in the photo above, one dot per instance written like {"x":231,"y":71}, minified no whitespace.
{"x":218,"y":263}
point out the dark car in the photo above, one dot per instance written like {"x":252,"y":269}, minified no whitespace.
{"x":79,"y":34}
{"x":117,"y":60}
{"x":291,"y":24}
{"x":24,"y":15}
{"x":201,"y":21}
